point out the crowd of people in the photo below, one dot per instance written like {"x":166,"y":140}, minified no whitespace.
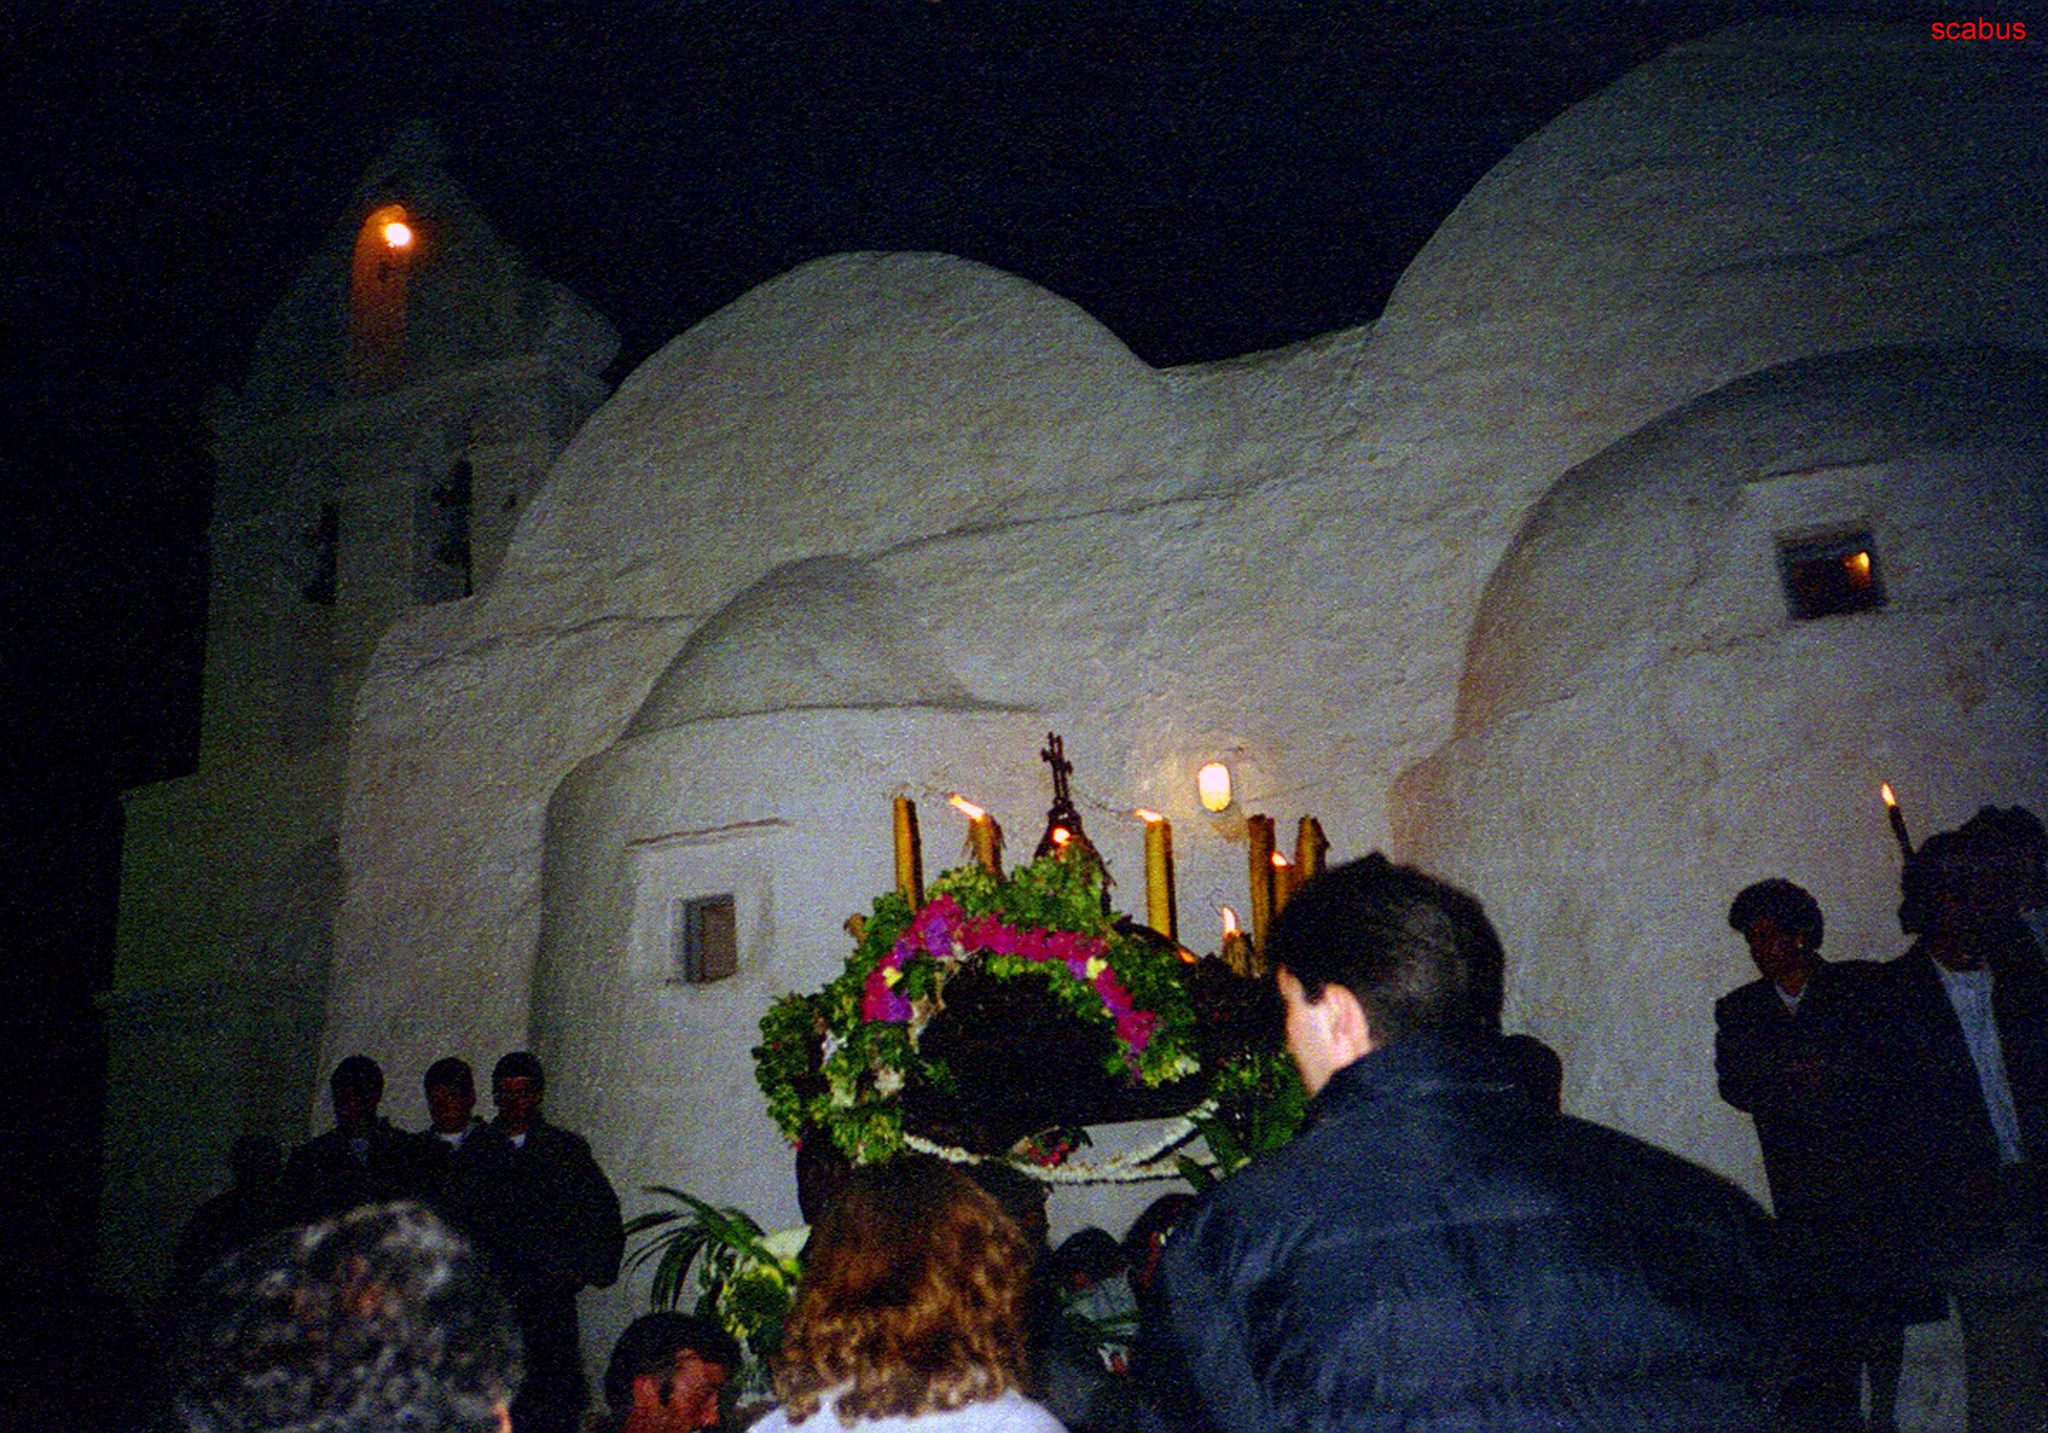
{"x":1902,"y":1111}
{"x":526,"y":1192}
{"x":1439,"y":1249}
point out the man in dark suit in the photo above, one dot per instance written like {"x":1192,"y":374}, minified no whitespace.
{"x":553,"y":1226}
{"x":1966,"y":1049}
{"x":1791,"y":1049}
{"x":362,"y":1160}
{"x":460,"y":1156}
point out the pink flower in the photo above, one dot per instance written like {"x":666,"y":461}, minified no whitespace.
{"x":879,"y":1000}
{"x":932,"y":930}
{"x":986,"y":933}
{"x":1135,"y":1027}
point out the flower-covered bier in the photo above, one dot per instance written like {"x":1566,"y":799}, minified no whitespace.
{"x":839,"y":1060}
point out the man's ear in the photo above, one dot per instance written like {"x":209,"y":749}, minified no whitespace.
{"x":1348,"y":1026}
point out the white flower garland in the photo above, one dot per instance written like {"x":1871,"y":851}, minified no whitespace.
{"x":1132,"y":1167}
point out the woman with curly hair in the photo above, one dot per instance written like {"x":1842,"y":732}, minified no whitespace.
{"x":911,"y":1313}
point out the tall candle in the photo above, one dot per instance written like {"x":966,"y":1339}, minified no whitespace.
{"x":909,"y":860}
{"x":1259,"y":833}
{"x":1285,"y":879}
{"x":984,"y":836}
{"x":1310,"y":846}
{"x":1159,"y":911}
{"x":1237,"y":951}
{"x":1896,"y":817}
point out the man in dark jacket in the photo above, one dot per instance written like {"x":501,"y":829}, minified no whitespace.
{"x":552,"y":1223}
{"x":1433,"y":1252}
{"x":1794,"y":1049}
{"x":463,"y":1161}
{"x":1966,"y":1042}
{"x":364,"y":1159}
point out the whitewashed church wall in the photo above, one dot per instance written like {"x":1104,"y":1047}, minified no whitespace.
{"x":1631,"y":752}
{"x":1637,"y":254}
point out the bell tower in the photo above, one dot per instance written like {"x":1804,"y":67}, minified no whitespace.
{"x":401,"y":407}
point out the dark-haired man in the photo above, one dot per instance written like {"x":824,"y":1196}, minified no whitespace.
{"x":382,"y":1319}
{"x":667,"y":1373}
{"x":364,"y":1159}
{"x":461,"y":1158}
{"x":1793,"y":1050}
{"x":553,"y":1225}
{"x":1433,"y":1251}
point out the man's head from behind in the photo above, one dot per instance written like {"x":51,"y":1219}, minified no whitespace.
{"x":384,"y":1318}
{"x":1371,"y":952}
{"x":667,"y":1372}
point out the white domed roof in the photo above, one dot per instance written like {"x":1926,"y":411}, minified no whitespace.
{"x":823,"y":633}
{"x":858,"y":402}
{"x":1665,"y":543}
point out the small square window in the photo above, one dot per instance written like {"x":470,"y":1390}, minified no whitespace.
{"x":704,"y":939}
{"x":1827,"y":576}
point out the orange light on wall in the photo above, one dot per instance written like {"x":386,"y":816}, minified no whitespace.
{"x":387,"y":247}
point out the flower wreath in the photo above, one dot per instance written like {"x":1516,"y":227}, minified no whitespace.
{"x":839,"y":1060}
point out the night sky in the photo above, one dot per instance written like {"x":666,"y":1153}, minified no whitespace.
{"x":1207,"y":179}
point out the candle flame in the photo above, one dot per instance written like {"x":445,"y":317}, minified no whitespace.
{"x":1858,"y":566}
{"x":965,"y":807}
{"x":1148,"y":817}
{"x":1281,"y":861}
{"x":1884,"y":790}
{"x":1061,"y":835}
{"x":1230,"y":926}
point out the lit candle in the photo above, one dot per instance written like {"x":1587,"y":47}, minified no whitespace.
{"x":1237,"y":951}
{"x":983,"y":835}
{"x":1310,"y":846}
{"x":1259,"y":832}
{"x":1896,"y":817}
{"x":1159,"y":912}
{"x":909,"y":861}
{"x":1285,"y":879}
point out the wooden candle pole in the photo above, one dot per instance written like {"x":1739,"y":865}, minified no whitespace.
{"x":909,"y":859}
{"x":1159,"y":903}
{"x":1259,"y":834}
{"x":1310,"y":847}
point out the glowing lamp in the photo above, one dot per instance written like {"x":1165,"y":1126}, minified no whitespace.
{"x":397,"y":235}
{"x":1884,"y":793}
{"x":1212,"y":783}
{"x":1857,"y":564}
